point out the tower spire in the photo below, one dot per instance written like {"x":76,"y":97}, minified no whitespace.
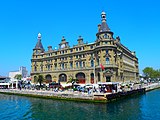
{"x":39,"y":44}
{"x":104,"y":27}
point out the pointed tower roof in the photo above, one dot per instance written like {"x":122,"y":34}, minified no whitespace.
{"x":39,"y":44}
{"x":104,"y":27}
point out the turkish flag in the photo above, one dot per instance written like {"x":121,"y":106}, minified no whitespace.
{"x":102,"y":67}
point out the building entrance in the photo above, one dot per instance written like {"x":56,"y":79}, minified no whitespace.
{"x":108,"y":79}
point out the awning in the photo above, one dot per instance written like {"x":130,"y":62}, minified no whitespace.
{"x":4,"y":83}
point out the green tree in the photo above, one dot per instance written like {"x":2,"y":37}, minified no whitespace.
{"x":149,"y":72}
{"x":40,"y":79}
{"x":73,"y":81}
{"x":18,"y":76}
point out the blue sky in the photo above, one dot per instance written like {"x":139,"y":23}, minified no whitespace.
{"x":137,"y":22}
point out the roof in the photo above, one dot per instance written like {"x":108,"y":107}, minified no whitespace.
{"x":39,"y":45}
{"x":104,"y":27}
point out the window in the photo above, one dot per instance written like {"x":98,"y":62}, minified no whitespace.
{"x":49,"y":67}
{"x":91,"y":47}
{"x":76,"y":64}
{"x":105,"y":36}
{"x":106,"y":51}
{"x":71,"y":57}
{"x":76,"y":49}
{"x":62,"y":65}
{"x":77,"y":56}
{"x":35,"y":68}
{"x":92,"y":63}
{"x":97,"y":61}
{"x":71,"y":64}
{"x":41,"y":67}
{"x":71,"y":50}
{"x":80,"y":64}
{"x":55,"y":66}
{"x":107,"y":60}
{"x":83,"y":64}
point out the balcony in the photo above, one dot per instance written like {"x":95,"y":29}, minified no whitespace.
{"x":108,"y":66}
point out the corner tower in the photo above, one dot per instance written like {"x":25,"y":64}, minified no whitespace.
{"x":104,"y":31}
{"x":39,"y":47}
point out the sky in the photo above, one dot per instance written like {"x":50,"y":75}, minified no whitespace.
{"x":137,"y":22}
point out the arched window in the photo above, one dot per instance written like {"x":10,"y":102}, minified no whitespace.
{"x":48,"y":78}
{"x":81,"y":77}
{"x":62,"y":78}
{"x":107,"y":60}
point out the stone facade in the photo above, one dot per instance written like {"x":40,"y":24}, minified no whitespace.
{"x":105,"y":60}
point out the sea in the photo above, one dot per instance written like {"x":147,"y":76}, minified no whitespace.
{"x":139,"y":107}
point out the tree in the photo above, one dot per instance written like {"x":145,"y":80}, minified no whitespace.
{"x":18,"y":76}
{"x":149,"y":72}
{"x":73,"y":81}
{"x":40,"y":79}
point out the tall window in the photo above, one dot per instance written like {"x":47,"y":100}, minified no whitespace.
{"x":62,"y":65}
{"x":49,"y":67}
{"x":55,"y":66}
{"x":83,"y":64}
{"x":76,"y":64}
{"x":97,"y":61}
{"x":107,"y":60}
{"x":35,"y":68}
{"x":80,"y":64}
{"x":71,"y":64}
{"x":41,"y":67}
{"x":92,"y":63}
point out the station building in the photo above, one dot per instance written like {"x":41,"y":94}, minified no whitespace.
{"x":104,"y":60}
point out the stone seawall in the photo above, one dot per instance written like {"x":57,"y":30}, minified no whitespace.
{"x":67,"y":95}
{"x":80,"y":96}
{"x":152,"y":86}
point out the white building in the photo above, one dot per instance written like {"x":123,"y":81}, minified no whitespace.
{"x":22,"y":70}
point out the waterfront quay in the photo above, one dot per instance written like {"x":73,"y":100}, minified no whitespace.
{"x":82,"y":96}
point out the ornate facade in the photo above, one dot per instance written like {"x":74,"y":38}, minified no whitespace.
{"x":105,"y":60}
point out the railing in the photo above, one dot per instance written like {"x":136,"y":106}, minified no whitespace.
{"x":108,"y":66}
